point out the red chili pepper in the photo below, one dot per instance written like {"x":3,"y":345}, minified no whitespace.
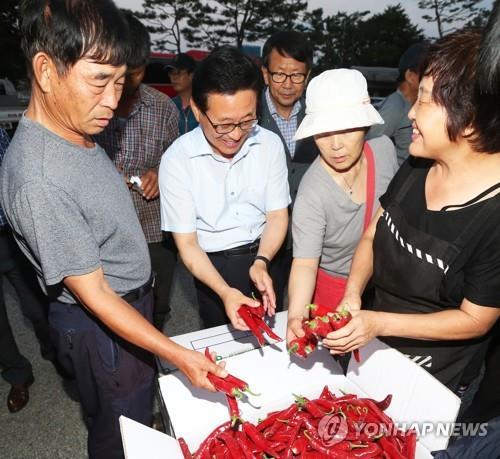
{"x":258,"y":311}
{"x":318,"y":310}
{"x":267,"y":329}
{"x":320,"y":326}
{"x":224,"y":386}
{"x":410,"y":444}
{"x":339,"y":319}
{"x":250,"y":321}
{"x":234,"y":410}
{"x":233,"y":446}
{"x":204,"y":448}
{"x":240,"y":384}
{"x":387,"y":445}
{"x":301,"y":347}
{"x":326,"y":394}
{"x":309,"y":405}
{"x":258,"y":439}
{"x":383,"y":404}
{"x":230,"y":379}
{"x":245,"y":444}
{"x":357,"y":357}
{"x":184,"y":448}
{"x":317,"y":443}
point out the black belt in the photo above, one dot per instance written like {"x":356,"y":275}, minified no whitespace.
{"x":140,"y":292}
{"x":246,"y":249}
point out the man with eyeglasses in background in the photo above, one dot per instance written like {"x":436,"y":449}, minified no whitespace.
{"x":180,"y":72}
{"x":287,"y":58}
{"x":224,"y":191}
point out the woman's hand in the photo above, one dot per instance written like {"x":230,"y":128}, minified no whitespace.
{"x":363,"y":327}
{"x":294,"y":329}
{"x":351,"y":302}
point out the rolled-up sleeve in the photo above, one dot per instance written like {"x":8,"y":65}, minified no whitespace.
{"x":277,"y":188}
{"x":178,"y":213}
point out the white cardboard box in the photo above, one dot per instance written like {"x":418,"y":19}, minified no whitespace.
{"x":417,"y":396}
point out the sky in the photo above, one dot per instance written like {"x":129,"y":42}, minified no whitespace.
{"x":350,"y":6}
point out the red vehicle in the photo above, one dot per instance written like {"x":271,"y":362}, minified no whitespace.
{"x":156,"y":74}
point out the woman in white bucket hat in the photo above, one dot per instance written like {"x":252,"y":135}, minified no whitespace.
{"x":339,"y":192}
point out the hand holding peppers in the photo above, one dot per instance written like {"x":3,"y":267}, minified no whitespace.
{"x":196,"y":367}
{"x":233,"y":299}
{"x":361,"y":329}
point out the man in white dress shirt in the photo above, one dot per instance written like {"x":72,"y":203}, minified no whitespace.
{"x":224,"y":191}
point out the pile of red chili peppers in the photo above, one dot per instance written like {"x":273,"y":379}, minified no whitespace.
{"x":326,"y":427}
{"x":322,"y":322}
{"x":254,"y":320}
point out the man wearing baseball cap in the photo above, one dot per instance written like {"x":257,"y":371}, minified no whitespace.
{"x":180,"y":72}
{"x":394,"y":110}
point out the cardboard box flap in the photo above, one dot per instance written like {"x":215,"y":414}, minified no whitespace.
{"x":141,"y":442}
{"x":420,"y":399}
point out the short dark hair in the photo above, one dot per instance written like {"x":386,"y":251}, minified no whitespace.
{"x":289,"y":43}
{"x":139,"y":42}
{"x":226,"y":70}
{"x":70,"y":30}
{"x":452,"y":63}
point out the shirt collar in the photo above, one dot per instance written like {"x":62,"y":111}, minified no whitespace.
{"x":272,"y":108}
{"x":203,"y":148}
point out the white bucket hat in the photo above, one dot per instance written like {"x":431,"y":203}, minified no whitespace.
{"x":337,"y":100}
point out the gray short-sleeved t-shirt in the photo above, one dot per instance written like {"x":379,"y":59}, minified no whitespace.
{"x":397,"y":126}
{"x":326,"y":223}
{"x":71,"y":212}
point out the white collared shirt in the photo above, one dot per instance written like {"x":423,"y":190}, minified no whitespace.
{"x":224,"y":201}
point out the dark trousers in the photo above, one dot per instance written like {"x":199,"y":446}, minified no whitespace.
{"x":163,"y":259}
{"x":14,"y":266}
{"x":235,"y":271}
{"x":113,"y":377}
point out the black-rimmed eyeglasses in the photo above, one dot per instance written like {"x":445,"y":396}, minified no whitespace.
{"x":226,"y":128}
{"x":280,"y":77}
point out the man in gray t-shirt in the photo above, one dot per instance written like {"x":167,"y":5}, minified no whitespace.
{"x":394,"y":109}
{"x":72,"y":215}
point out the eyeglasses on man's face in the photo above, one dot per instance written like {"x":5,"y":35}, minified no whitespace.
{"x":280,"y":77}
{"x":226,"y":128}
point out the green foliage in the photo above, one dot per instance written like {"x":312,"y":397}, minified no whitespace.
{"x":164,"y":19}
{"x":449,"y":14}
{"x":343,"y":39}
{"x":232,"y":22}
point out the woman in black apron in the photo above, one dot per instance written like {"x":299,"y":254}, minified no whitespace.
{"x":434,"y":247}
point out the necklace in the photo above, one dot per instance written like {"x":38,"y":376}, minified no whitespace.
{"x":349,"y":187}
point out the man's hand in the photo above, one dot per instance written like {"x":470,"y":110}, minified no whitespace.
{"x":294,"y":329}
{"x":264,"y":284}
{"x":196,"y":367}
{"x":233,"y":299}
{"x":149,"y":185}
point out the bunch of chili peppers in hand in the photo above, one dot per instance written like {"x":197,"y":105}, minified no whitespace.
{"x":326,"y":427}
{"x":254,"y":320}
{"x":322,"y":322}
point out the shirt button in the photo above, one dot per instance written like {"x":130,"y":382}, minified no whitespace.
{"x":232,"y":193}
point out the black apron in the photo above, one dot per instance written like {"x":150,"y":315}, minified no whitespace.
{"x":409,"y":268}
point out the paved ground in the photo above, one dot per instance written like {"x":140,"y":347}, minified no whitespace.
{"x":50,"y":426}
